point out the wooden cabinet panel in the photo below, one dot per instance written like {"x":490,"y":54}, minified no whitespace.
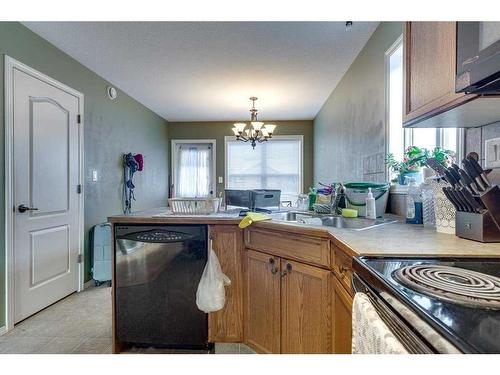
{"x":305,"y":309}
{"x":226,"y":325}
{"x":429,"y":69}
{"x":313,"y":250}
{"x":342,"y":267}
{"x":342,"y":319}
{"x":262,"y":302}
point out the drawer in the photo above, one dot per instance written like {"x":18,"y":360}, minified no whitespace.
{"x":313,"y":250}
{"x":342,"y":268}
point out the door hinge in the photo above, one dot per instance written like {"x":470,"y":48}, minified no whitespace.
{"x":78,"y":119}
{"x":79,"y":258}
{"x":78,"y":189}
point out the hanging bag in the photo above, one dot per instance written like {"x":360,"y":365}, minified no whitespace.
{"x":210,"y":295}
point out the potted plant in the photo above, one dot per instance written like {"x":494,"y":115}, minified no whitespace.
{"x":414,"y":159}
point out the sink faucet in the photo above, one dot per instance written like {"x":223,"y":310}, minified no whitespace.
{"x":336,"y":196}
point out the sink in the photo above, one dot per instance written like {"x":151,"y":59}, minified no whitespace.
{"x":331,"y":220}
{"x":291,"y":215}
{"x":354,"y":223}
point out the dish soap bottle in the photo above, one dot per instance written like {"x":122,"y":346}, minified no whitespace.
{"x":371,"y":212}
{"x":413,"y":204}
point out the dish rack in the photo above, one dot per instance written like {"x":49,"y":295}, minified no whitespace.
{"x":194,"y":206}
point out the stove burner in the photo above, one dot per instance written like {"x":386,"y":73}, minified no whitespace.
{"x":453,"y":284}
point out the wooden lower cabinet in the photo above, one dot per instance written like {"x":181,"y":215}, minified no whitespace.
{"x":226,"y":325}
{"x":287,"y":305}
{"x":342,"y":318}
{"x":262,"y":302}
{"x":305,"y":308}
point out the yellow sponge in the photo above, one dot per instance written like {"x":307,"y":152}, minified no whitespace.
{"x":348,"y":212}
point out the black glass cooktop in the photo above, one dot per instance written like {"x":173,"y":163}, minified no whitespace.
{"x":472,"y":328}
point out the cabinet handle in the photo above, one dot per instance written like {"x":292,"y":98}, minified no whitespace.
{"x":343,"y":270}
{"x":288,"y":270}
{"x":274,"y":269}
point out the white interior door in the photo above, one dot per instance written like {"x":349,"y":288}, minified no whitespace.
{"x":194,"y":169}
{"x":46,"y":204}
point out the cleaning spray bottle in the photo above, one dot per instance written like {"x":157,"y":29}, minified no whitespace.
{"x":371,"y":212}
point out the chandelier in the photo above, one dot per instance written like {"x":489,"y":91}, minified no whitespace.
{"x":257,"y":132}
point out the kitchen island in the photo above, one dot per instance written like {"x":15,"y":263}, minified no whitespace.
{"x":291,"y":286}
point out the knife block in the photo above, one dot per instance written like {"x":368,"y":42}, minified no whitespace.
{"x":477,"y":227}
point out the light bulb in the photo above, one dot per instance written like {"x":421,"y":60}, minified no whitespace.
{"x":270,"y":128}
{"x":240,"y":126}
{"x":257,"y":125}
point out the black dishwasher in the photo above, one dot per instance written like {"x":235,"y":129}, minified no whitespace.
{"x":158,"y":269}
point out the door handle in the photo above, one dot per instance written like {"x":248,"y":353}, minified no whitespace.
{"x":22,"y":208}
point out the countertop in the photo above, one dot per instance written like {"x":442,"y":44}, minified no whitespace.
{"x":386,"y":240}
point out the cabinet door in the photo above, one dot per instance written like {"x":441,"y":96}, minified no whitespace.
{"x":429,"y":68}
{"x":226,"y":325}
{"x":342,"y":319}
{"x":262,"y":302}
{"x":305,"y":308}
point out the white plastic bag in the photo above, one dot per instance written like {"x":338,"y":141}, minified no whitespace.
{"x":210,"y":295}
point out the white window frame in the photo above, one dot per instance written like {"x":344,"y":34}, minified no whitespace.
{"x":212,"y":142}
{"x":408,"y":132}
{"x":283,"y":137}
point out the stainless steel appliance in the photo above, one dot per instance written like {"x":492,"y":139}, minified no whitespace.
{"x":158,"y":269}
{"x":478,"y":57}
{"x":441,"y":305}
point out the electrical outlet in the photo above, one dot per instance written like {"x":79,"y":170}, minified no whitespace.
{"x":492,"y":155}
{"x":221,"y":180}
{"x":94,"y":175}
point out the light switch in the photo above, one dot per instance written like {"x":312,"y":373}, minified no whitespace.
{"x":492,"y":155}
{"x":94,"y":175}
{"x":221,"y":180}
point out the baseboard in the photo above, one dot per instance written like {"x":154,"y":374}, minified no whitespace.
{"x":88,"y":284}
{"x":3,"y":330}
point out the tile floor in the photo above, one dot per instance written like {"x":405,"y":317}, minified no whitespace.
{"x":80,"y":323}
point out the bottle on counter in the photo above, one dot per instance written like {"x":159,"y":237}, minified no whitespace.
{"x":312,"y":198}
{"x":371,"y":212}
{"x":414,"y":203}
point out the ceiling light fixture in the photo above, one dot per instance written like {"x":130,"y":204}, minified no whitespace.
{"x":257,"y":132}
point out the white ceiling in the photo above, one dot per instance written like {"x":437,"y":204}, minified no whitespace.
{"x":206,"y":71}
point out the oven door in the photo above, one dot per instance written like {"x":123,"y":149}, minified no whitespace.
{"x":379,"y":329}
{"x":478,"y":57}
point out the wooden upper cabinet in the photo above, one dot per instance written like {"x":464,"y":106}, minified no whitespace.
{"x":305,"y":309}
{"x":226,"y":325}
{"x":429,"y":70}
{"x":262,"y":302}
{"x":342,"y":319}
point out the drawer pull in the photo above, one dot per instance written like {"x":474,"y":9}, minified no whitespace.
{"x":343,"y":270}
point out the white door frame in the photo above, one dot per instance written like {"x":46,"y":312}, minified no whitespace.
{"x":213,"y":142}
{"x":11,"y":65}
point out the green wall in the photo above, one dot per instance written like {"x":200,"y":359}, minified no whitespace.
{"x":111,"y":128}
{"x":351,"y":124}
{"x":218,"y":130}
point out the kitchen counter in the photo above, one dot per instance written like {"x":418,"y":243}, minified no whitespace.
{"x":397,"y":239}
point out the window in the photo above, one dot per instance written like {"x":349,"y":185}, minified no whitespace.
{"x":193,"y":165}
{"x":399,"y":138}
{"x":275,"y":164}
